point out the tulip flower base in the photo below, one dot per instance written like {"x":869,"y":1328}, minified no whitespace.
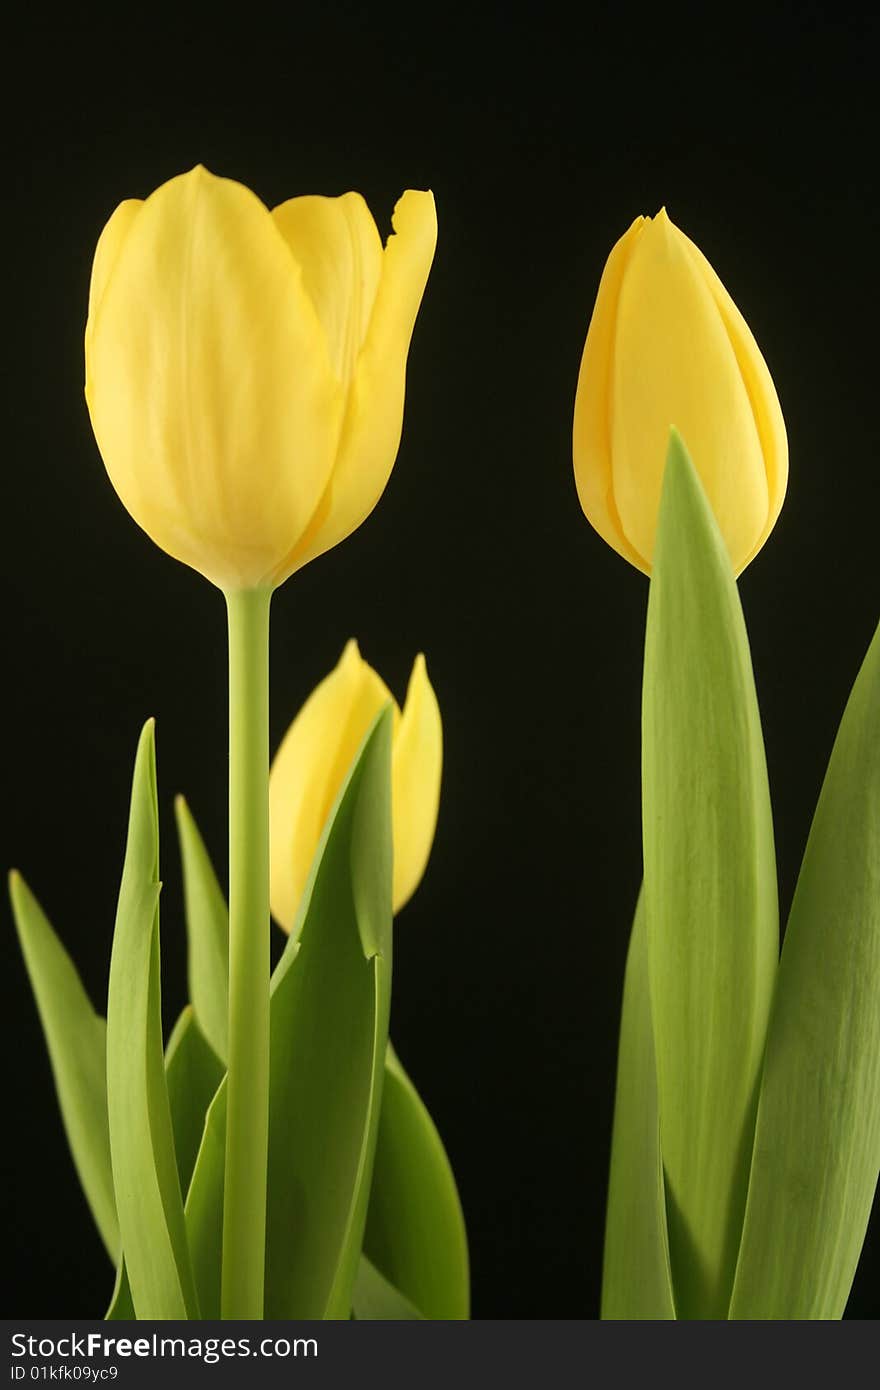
{"x":348,"y":1135}
{"x":746,"y":1139}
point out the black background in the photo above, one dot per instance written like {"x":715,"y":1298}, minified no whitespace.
{"x":541,"y":138}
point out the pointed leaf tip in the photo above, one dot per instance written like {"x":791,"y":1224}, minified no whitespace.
{"x":148,"y":1198}
{"x":207,"y":929}
{"x":371,"y":837}
{"x":686,"y":522}
{"x":710,"y":884}
{"x":76,"y":1041}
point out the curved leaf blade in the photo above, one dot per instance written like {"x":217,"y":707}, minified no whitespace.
{"x":817,"y":1141}
{"x":121,"y":1307}
{"x":193,"y":1072}
{"x":204,"y":1207}
{"x":636,"y":1276}
{"x":76,"y":1039}
{"x":710,"y":887}
{"x":207,"y":933}
{"x":148,"y":1200}
{"x":329,"y":1026}
{"x":415,"y":1234}
{"x":375,"y":1300}
{"x":329,"y":1031}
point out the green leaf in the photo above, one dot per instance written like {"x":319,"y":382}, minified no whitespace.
{"x":207,"y":933}
{"x":817,"y":1143}
{"x":636,"y":1278}
{"x":414,"y":1217}
{"x":204,"y":1207}
{"x":415,"y":1232}
{"x":329,"y":1028}
{"x":76,"y":1038}
{"x":710,"y":887}
{"x":121,"y":1307}
{"x":375,"y":1300}
{"x":148,"y":1199}
{"x":329,"y":1032}
{"x":193,"y":1073}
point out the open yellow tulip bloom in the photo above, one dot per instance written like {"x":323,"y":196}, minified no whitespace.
{"x":666,"y":347}
{"x":245,"y":369}
{"x":315,"y":756}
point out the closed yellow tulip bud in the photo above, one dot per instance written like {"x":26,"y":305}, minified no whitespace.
{"x":245,"y":368}
{"x":666,"y":347}
{"x":315,"y":756}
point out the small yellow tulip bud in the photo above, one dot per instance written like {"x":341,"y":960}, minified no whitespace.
{"x":315,"y":756}
{"x":245,"y":368}
{"x":666,"y":347}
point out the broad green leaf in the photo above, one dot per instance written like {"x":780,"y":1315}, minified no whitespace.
{"x":76,"y":1038}
{"x":375,"y":1300}
{"x":121,"y":1307}
{"x":710,"y":887}
{"x":415,"y":1234}
{"x":414,"y":1216}
{"x":148,"y":1200}
{"x":329,"y":1032}
{"x":207,"y":933}
{"x":193,"y":1073}
{"x":329,"y":1025}
{"x":636,"y":1278}
{"x":817,"y":1142}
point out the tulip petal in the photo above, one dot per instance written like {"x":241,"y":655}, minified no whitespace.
{"x":110,"y":243}
{"x":592,"y":423}
{"x":416,"y":768}
{"x":674,"y":366}
{"x":209,"y":384}
{"x":339,"y":251}
{"x":761,"y":391}
{"x":374,"y":415}
{"x":310,"y":767}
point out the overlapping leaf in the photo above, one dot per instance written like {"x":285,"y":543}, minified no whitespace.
{"x":193,"y":1072}
{"x":145,"y":1180}
{"x":817,"y":1142}
{"x":636,"y":1277}
{"x":415,"y":1234}
{"x":374,"y":1299}
{"x":207,"y":933}
{"x":710,"y":887}
{"x":329,"y":1021}
{"x":76,"y":1038}
{"x":417,"y":1221}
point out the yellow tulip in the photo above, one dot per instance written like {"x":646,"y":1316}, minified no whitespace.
{"x":666,"y":347}
{"x":315,"y":756}
{"x":245,"y":369}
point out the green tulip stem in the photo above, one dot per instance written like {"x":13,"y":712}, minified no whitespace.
{"x":247,"y":1124}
